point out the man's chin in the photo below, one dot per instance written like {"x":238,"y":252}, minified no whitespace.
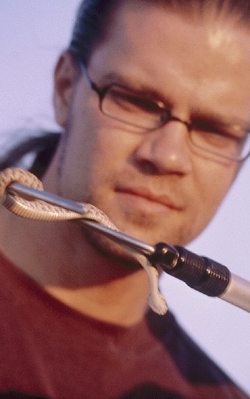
{"x":112,"y":250}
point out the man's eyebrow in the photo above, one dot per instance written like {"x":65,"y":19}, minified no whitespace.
{"x":217,"y":118}
{"x":137,"y":87}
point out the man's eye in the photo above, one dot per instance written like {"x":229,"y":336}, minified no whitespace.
{"x":219,"y":130}
{"x":133,"y":103}
{"x":216,"y":136}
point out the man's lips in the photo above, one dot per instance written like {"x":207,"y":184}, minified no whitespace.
{"x":147,"y":195}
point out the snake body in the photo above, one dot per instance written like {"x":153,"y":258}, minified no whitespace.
{"x":40,"y":210}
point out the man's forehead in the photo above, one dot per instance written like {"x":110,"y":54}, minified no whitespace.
{"x":221,"y":21}
{"x":231,"y":10}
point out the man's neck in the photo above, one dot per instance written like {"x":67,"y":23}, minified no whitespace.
{"x":119,"y":302}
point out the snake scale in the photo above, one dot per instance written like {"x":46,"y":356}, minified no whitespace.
{"x":40,"y":210}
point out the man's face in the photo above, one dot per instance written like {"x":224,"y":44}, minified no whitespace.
{"x":154,"y":185}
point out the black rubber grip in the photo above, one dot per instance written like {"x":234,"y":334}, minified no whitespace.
{"x":200,"y":273}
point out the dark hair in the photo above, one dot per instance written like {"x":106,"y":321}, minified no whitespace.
{"x":90,"y":26}
{"x":28,"y":149}
{"x":95,"y":16}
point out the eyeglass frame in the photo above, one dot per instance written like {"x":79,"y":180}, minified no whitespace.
{"x":101,"y":92}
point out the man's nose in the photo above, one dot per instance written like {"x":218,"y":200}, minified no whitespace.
{"x":167,"y":149}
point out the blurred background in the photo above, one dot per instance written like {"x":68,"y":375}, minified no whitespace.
{"x":32,"y":35}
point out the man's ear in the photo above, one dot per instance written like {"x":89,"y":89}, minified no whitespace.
{"x":65,"y":77}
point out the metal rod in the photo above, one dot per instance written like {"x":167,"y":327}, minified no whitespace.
{"x":237,"y":291}
{"x":121,"y":238}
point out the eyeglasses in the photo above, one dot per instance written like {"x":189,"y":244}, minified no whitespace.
{"x":229,"y":141}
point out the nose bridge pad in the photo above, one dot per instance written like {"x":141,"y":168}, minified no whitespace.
{"x":176,"y":119}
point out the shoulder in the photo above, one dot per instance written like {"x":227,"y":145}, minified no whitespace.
{"x":192,"y":362}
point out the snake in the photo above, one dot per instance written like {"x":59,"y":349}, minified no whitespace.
{"x":41,"y":210}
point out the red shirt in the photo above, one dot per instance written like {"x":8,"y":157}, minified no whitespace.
{"x":47,"y":348}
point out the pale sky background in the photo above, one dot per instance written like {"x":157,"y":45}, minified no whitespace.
{"x":32,"y":34}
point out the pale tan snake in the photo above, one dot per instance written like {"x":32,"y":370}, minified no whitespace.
{"x":40,"y":210}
